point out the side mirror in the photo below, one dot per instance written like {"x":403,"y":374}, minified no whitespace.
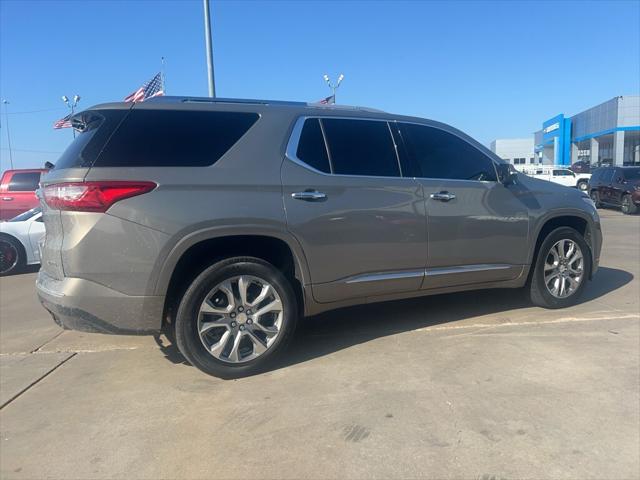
{"x":507,"y":175}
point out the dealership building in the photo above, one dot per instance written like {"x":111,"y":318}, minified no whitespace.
{"x":517,"y":151}
{"x":607,"y":134}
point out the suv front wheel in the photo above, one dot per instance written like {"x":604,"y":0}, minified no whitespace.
{"x":561,"y":270}
{"x":235,"y":317}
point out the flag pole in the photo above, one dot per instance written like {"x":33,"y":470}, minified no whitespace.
{"x":207,"y":38}
{"x":164,"y":89}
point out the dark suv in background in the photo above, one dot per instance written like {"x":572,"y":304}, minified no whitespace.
{"x":616,"y":187}
{"x":232,"y":219}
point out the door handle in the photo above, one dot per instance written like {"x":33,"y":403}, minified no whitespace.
{"x":310,"y":196}
{"x":7,"y":199}
{"x":443,"y":196}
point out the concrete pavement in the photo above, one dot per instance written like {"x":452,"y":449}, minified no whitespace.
{"x":473,"y":385}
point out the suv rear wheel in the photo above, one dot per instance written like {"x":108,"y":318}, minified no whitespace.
{"x":561,"y":270}
{"x":235,"y":317}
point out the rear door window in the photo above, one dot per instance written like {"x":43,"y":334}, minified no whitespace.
{"x":440,"y":154}
{"x":311,"y":146}
{"x":174,"y":138}
{"x":361,"y":147}
{"x":24,"y":182}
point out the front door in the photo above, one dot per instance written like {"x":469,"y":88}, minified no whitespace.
{"x":476,"y":227}
{"x":361,"y":224}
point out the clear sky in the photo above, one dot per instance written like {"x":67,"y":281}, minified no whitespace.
{"x":494,"y":69}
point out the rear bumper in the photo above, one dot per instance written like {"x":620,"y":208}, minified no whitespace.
{"x":79,"y":304}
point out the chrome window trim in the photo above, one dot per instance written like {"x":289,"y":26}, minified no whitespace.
{"x":291,"y":152}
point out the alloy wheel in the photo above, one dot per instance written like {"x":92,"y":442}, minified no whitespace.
{"x":8,"y":256}
{"x":240,"y":318}
{"x":564,"y":268}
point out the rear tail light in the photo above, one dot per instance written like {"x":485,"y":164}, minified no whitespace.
{"x":92,"y":196}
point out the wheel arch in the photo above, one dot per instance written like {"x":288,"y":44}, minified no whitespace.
{"x":197,"y":251}
{"x":576,"y":220}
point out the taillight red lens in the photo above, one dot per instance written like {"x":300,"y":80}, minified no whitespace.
{"x":92,"y":196}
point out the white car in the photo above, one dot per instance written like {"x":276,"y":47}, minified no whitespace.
{"x":560,"y":175}
{"x":19,"y":239}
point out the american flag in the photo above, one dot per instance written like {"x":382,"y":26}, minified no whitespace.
{"x":63,"y":123}
{"x":153,"y":88}
{"x":328,"y":101}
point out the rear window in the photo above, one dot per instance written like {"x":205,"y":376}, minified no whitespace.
{"x":24,"y":182}
{"x":96,"y":128}
{"x":171,"y":138}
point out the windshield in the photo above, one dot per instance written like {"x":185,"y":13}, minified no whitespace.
{"x":26,"y":215}
{"x":632,"y":173}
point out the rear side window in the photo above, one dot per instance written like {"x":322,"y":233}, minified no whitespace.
{"x":311,"y":147}
{"x":172,"y":138}
{"x":441,"y":154}
{"x":24,"y":182}
{"x":361,"y":147}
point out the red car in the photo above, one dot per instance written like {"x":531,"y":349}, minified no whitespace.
{"x":18,"y":191}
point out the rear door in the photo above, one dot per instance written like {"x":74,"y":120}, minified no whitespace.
{"x":360,"y":222}
{"x":605,"y":188}
{"x":617,"y":187}
{"x":476,"y":227}
{"x":19,"y":194}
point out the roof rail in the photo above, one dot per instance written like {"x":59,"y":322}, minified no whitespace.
{"x":169,"y":99}
{"x":250,"y":101}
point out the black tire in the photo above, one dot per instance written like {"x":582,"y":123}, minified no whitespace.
{"x":539,"y":293}
{"x":583,"y":185}
{"x":186,"y":333}
{"x":627,"y":206}
{"x":12,"y":255}
{"x":595,"y":196}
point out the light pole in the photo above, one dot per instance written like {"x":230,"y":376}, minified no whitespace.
{"x":72,"y":107}
{"x":332,"y":86}
{"x":209,"y":47}
{"x":6,"y":125}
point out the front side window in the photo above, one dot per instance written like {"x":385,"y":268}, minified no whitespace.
{"x":311,"y":147}
{"x":440,"y":154}
{"x":361,"y":147}
{"x":563,"y":173}
{"x":24,"y":182}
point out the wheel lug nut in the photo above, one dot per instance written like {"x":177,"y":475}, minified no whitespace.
{"x":233,"y":315}
{"x":240,"y":309}
{"x":241,"y":327}
{"x":249,"y":321}
{"x":233,"y":324}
